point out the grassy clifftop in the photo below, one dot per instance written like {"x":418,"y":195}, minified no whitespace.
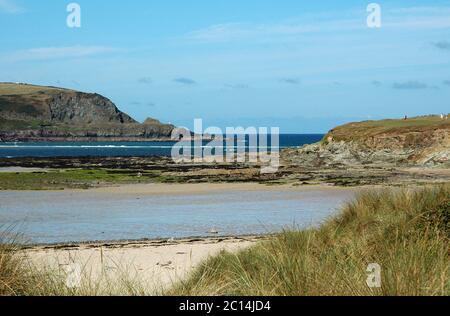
{"x":420,"y":141}
{"x":361,"y":131}
{"x":24,"y":89}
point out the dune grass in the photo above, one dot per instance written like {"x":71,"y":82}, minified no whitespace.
{"x":19,"y":277}
{"x":406,"y":232}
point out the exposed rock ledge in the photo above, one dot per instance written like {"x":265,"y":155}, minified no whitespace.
{"x":423,"y":141}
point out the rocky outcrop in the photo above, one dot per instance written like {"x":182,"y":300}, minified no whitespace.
{"x":408,"y":145}
{"x":30,"y":113}
{"x":83,"y":108}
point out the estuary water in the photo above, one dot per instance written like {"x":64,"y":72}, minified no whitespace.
{"x":75,"y":216}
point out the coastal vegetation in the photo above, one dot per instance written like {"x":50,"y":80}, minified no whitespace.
{"x":405,"y":231}
{"x":19,"y":277}
{"x":78,"y":179}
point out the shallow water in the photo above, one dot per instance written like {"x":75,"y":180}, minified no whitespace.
{"x":55,"y":217}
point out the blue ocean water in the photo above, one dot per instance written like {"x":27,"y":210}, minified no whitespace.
{"x":125,"y":149}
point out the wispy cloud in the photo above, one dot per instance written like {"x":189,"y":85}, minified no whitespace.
{"x":410,"y":85}
{"x":444,"y":45}
{"x":10,"y":6}
{"x":145,"y":80}
{"x":186,"y":81}
{"x":294,"y":81}
{"x":51,"y":53}
{"x":401,"y":18}
{"x":244,"y":31}
{"x":446,"y":82}
{"x":237,"y":86}
{"x":376,"y":83}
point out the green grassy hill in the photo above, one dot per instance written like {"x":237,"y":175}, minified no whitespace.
{"x":364,"y":130}
{"x":27,"y":89}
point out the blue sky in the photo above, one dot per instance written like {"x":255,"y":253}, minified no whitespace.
{"x":304,"y":66}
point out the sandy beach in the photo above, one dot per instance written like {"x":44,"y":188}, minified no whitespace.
{"x":156,"y":264}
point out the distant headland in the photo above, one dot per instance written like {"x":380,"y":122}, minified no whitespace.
{"x":41,"y":113}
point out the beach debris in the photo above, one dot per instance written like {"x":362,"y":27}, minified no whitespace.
{"x":171,"y":239}
{"x":213,"y":231}
{"x":164,"y":264}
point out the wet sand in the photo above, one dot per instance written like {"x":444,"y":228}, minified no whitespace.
{"x":209,"y":188}
{"x":21,"y":170}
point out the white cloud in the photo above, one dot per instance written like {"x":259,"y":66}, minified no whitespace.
{"x":243,"y":31}
{"x":51,"y":53}
{"x":9,"y":6}
{"x":399,"y":18}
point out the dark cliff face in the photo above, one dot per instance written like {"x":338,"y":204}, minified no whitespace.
{"x":82,"y":108}
{"x":45,"y":113}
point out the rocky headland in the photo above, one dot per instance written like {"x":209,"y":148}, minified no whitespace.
{"x":420,"y":142}
{"x":37,"y":113}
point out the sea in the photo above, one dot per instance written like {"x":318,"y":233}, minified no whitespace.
{"x":132,"y":149}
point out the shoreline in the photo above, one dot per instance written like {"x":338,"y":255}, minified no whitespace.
{"x":143,"y":242}
{"x":204,"y":188}
{"x":198,"y":188}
